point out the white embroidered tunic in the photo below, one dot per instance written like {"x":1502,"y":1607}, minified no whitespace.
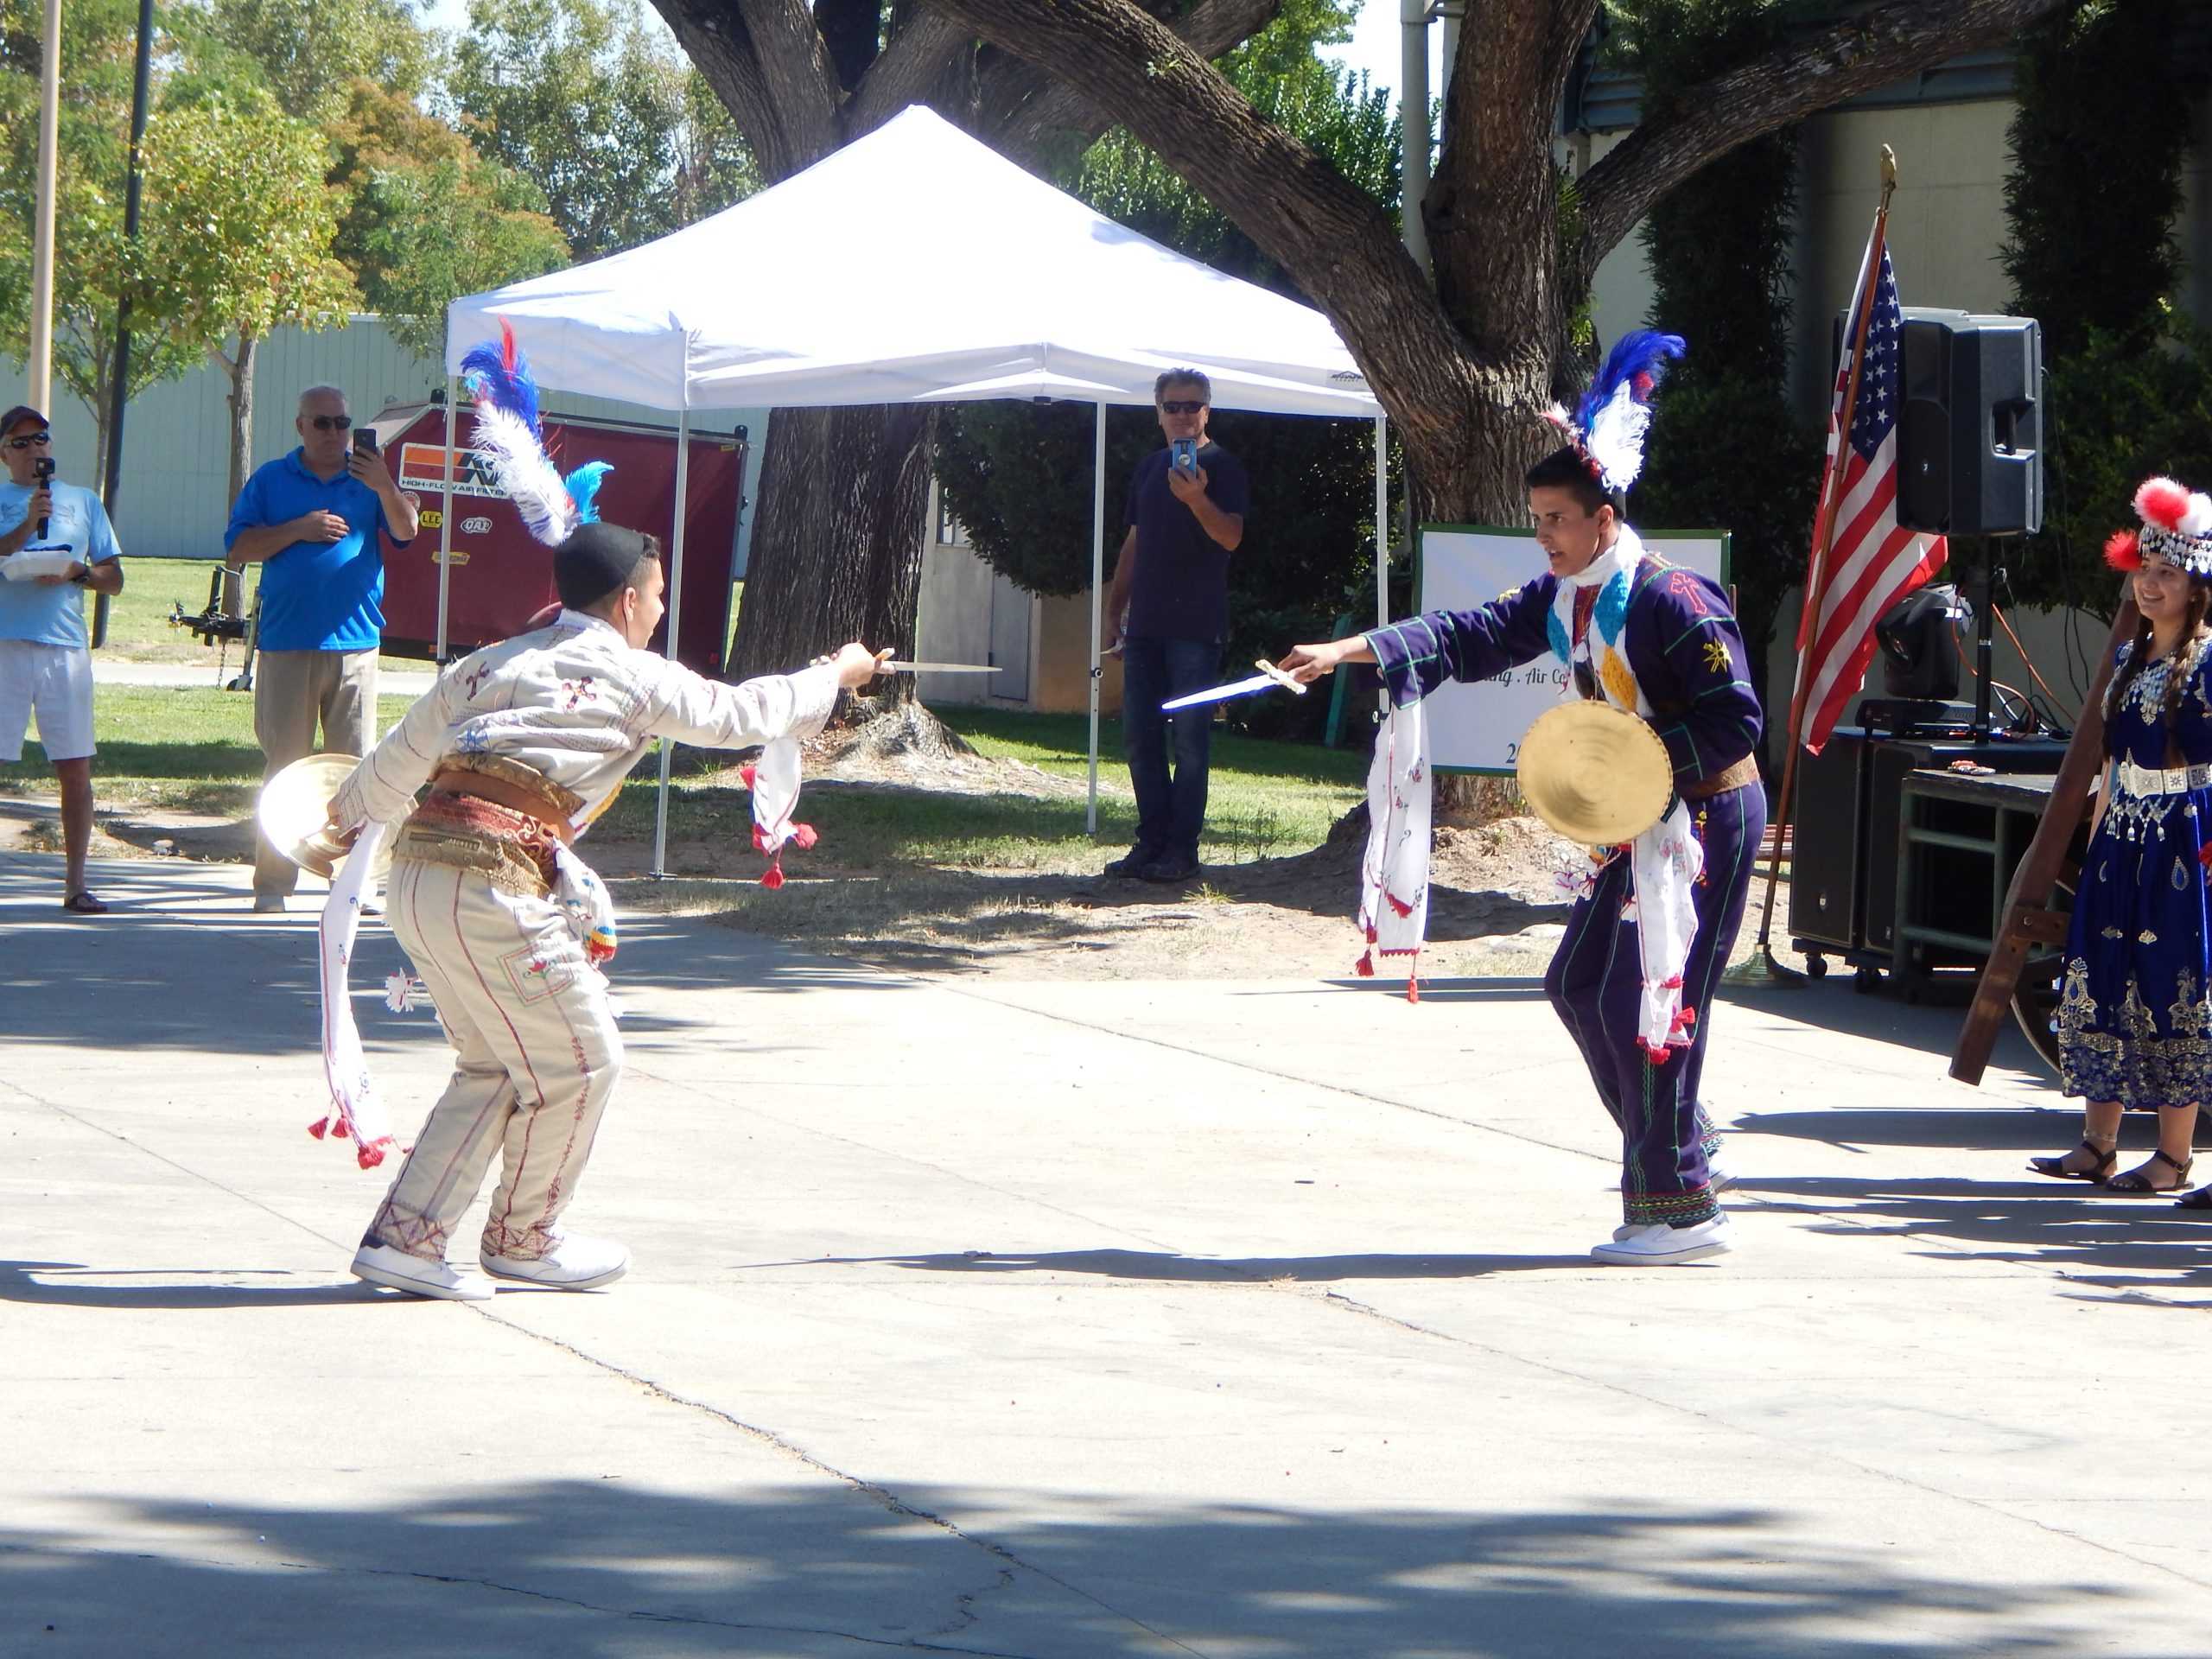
{"x":576,"y":703}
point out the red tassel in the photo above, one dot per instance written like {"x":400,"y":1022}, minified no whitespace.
{"x":802,"y":836}
{"x":373,"y":1155}
{"x":1413,"y":989}
{"x":340,"y":1129}
{"x":321,"y":1127}
{"x":2124,"y":551}
{"x":746,"y":772}
{"x":1365,"y":966}
{"x":772,"y":877}
{"x":2162,"y":502}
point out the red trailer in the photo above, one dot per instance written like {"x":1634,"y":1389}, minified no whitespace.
{"x":502,"y":575}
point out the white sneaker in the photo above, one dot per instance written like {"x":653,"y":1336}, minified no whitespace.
{"x":397,"y":1270}
{"x":574,"y":1263}
{"x":1662,"y":1245}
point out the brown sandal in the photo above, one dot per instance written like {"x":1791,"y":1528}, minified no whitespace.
{"x":84,"y":903}
{"x":2136,"y":1181}
{"x":2095,"y":1174}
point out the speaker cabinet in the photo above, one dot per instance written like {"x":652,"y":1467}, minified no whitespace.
{"x":1828,"y":853}
{"x":1969,"y":423}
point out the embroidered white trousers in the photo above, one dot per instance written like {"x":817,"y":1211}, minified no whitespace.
{"x":535,"y":1056}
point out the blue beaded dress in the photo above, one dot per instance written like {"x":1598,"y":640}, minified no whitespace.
{"x":2135,"y":1009}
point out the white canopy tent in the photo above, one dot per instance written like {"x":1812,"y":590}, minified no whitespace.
{"x":914,"y":265}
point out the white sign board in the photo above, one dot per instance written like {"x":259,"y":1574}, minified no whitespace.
{"x":1477,"y":727}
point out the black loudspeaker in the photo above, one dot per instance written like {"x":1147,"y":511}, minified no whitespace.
{"x":1970,"y":422}
{"x":1828,"y":861}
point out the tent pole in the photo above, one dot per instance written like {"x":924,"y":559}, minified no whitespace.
{"x":674,"y":616}
{"x":1097,"y":601}
{"x":445,"y":513}
{"x":1382,"y":521}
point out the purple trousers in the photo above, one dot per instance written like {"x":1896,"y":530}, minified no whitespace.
{"x":1596,"y":982}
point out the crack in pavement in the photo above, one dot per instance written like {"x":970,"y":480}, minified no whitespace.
{"x":1713,"y":1420}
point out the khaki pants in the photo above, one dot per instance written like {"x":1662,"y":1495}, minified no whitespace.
{"x":293,"y":691}
{"x":535,"y":1056}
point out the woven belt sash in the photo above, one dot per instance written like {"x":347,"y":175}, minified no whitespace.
{"x":1745,"y":771}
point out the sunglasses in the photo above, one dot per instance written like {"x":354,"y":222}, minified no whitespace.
{"x":1182,"y":407}
{"x":332,"y":422}
{"x":38,"y":441}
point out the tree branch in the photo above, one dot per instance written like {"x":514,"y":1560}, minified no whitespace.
{"x":922,"y":58}
{"x":1033,"y":107}
{"x":1867,"y":50}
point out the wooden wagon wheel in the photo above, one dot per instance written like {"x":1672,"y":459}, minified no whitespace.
{"x":2035,"y":998}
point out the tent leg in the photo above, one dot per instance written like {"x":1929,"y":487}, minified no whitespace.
{"x":1382,"y":531}
{"x":445,"y":513}
{"x":1097,"y":601}
{"x":659,"y":871}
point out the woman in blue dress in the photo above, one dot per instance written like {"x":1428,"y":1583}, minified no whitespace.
{"x":2135,"y":1009}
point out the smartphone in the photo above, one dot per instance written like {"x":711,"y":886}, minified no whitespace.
{"x":365,"y":440}
{"x":1183,"y":454}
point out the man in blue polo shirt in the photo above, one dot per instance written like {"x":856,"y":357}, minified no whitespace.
{"x":45,"y":670}
{"x":1173,"y":581}
{"x":313,"y":519}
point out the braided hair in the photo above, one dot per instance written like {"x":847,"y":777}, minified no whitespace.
{"x":2198,"y":603}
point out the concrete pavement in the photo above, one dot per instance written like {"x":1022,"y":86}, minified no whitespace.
{"x":1251,"y":1321}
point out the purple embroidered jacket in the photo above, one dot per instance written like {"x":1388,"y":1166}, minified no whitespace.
{"x":1683,"y":646}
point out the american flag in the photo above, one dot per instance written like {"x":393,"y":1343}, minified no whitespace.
{"x":1873,"y":563}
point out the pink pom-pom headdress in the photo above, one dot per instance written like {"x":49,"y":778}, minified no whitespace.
{"x":2176,"y":527}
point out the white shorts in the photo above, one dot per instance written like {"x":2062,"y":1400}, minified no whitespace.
{"x":55,"y":683}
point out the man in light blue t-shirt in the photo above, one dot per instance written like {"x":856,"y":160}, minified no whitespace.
{"x":45,"y":665}
{"x":313,"y":520}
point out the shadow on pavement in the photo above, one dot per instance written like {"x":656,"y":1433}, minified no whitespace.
{"x":53,"y":1288}
{"x":827,"y":1567}
{"x":1208,"y":1269}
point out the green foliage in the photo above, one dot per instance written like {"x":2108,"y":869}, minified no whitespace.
{"x":306,"y":53}
{"x":427,"y":219}
{"x":2119,"y":409}
{"x":601,"y":113}
{"x":1308,"y":553}
{"x":2097,"y":147}
{"x":1727,"y":449}
{"x":236,"y":227}
{"x":2091,"y":202}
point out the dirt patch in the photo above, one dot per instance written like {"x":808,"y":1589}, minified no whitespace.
{"x":1493,"y":909}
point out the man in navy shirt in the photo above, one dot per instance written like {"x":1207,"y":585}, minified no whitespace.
{"x":312,"y":519}
{"x":1172,"y":581}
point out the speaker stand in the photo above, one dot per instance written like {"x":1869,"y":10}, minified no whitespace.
{"x":1984,"y":687}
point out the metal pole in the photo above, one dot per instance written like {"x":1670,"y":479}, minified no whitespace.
{"x":49,"y":131}
{"x":1412,"y":124}
{"x":133,"y":196}
{"x":445,"y":512}
{"x":1097,"y":601}
{"x":675,"y":618}
{"x":1382,"y":521}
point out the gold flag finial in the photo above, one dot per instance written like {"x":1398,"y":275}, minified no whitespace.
{"x":1889,"y":168}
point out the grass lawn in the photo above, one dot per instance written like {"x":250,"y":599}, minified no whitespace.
{"x":194,"y":750}
{"x":138,"y":628}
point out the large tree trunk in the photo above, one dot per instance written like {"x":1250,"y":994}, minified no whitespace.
{"x":239,"y":370}
{"x":837,"y":549}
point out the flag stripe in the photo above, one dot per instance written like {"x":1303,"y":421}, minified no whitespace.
{"x":1872,"y":561}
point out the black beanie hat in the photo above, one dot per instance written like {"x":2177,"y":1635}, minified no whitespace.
{"x":599,"y":560}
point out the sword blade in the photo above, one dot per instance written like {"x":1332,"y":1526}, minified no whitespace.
{"x":939,"y":667}
{"x":1222,"y":693}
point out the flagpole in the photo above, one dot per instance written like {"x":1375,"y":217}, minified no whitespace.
{"x":40,"y":363}
{"x":1817,"y":578}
